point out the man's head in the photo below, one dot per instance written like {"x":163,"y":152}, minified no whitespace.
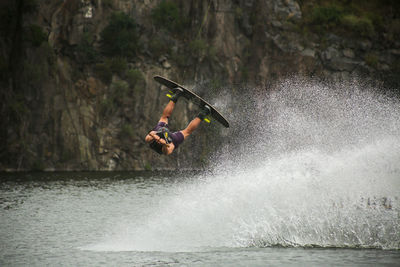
{"x":157,"y":147}
{"x":157,"y":139}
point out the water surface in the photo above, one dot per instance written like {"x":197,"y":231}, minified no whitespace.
{"x":91,"y":219}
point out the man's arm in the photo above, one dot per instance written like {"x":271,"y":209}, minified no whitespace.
{"x":168,"y":148}
{"x":150,"y":137}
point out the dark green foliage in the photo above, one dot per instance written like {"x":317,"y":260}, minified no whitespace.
{"x":120,"y":37}
{"x":135,"y":78}
{"x":18,"y":107}
{"x":108,"y":3}
{"x":371,"y":59}
{"x":30,"y":6}
{"x":198,"y":47}
{"x":238,"y":13}
{"x":85,"y":49}
{"x":34,"y":74}
{"x":107,"y":107}
{"x":158,"y":47}
{"x":180,"y":59}
{"x":104,"y":72}
{"x":326,"y":15}
{"x":35,"y":35}
{"x":127,"y":131}
{"x":118,"y":65}
{"x":362,"y":26}
{"x":394,"y":30}
{"x":38,"y":165}
{"x":372,"y":19}
{"x":147,"y":166}
{"x":114,"y":100}
{"x":167,"y":15}
{"x":120,"y":90}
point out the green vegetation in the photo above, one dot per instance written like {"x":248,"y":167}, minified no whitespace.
{"x":35,"y":35}
{"x":120,"y":37}
{"x":127,"y":131}
{"x":108,"y":3}
{"x":367,"y":19}
{"x":117,"y":65}
{"x":120,"y":90}
{"x":147,"y":166}
{"x":167,"y":15}
{"x":18,"y":107}
{"x":394,"y":29}
{"x":238,"y":13}
{"x":85,"y":49}
{"x":326,"y":15}
{"x":362,"y":25}
{"x":199,"y":48}
{"x":37,"y":165}
{"x":107,"y":107}
{"x":371,"y":59}
{"x":112,"y":101}
{"x":158,"y":47}
{"x":104,"y":72}
{"x":135,"y":80}
{"x":34,"y":74}
{"x":180,"y":59}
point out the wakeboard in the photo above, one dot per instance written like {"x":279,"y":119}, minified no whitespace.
{"x":197,"y":100}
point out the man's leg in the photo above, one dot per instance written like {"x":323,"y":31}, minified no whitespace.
{"x":191,"y":127}
{"x":196,"y":122}
{"x":170,"y":106}
{"x":167,"y":112}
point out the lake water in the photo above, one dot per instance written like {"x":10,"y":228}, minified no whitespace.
{"x":185,"y":219}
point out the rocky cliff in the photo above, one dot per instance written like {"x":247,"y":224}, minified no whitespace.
{"x":76,"y":75}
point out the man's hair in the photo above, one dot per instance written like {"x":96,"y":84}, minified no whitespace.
{"x":156,"y":147}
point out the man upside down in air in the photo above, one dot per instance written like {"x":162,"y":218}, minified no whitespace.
{"x":161,"y":139}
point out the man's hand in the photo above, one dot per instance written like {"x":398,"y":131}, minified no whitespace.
{"x":158,"y":139}
{"x":167,"y":148}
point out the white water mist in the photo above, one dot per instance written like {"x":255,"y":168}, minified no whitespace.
{"x":307,"y":164}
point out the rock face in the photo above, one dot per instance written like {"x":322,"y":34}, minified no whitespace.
{"x":79,"y":108}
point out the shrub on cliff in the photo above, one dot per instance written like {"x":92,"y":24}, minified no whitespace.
{"x":134,"y":76}
{"x":114,"y":98}
{"x":104,"y":72}
{"x":35,"y":35}
{"x":167,"y":15}
{"x":85,"y":50}
{"x":327,"y":16}
{"x":118,"y":65}
{"x":356,"y":19}
{"x":120,"y":37}
{"x":362,"y":26}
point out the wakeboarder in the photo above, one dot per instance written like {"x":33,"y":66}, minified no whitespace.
{"x":161,"y":139}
